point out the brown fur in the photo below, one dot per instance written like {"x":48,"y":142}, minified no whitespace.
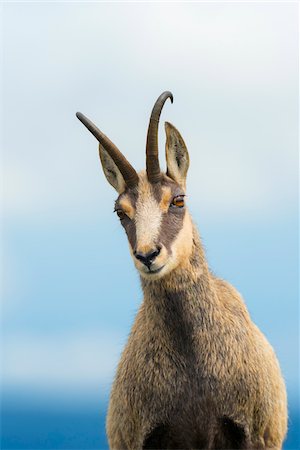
{"x":196,"y":372}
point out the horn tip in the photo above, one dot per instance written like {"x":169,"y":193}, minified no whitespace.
{"x":84,"y":120}
{"x":79,"y":115}
{"x":168,"y":94}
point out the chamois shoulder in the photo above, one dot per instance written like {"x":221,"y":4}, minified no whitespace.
{"x":230,"y":299}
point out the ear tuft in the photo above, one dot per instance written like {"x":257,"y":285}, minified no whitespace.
{"x":176,"y":154}
{"x":111,"y":171}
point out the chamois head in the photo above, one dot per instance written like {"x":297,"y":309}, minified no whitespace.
{"x":151,"y":204}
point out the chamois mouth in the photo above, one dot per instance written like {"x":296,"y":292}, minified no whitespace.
{"x":155,"y":270}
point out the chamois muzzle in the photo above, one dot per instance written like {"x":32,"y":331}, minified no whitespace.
{"x":152,"y":161}
{"x":129,"y":174}
{"x":148,"y":258}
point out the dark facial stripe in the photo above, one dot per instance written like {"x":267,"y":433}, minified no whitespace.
{"x":172,"y":223}
{"x":129,"y":226}
{"x":127,"y":223}
{"x":172,"y":220}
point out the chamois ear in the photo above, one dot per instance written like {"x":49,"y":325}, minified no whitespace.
{"x":111,"y":171}
{"x":176,"y":154}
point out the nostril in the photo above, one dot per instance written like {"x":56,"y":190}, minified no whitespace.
{"x":149,"y":257}
{"x":154,"y":254}
{"x":140,"y":257}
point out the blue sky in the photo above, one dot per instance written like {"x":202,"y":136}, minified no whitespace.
{"x":233,"y":69}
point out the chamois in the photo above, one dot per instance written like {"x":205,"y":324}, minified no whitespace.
{"x":196,"y":373}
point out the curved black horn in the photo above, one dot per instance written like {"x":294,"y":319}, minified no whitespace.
{"x":130,"y":176}
{"x":152,"y":161}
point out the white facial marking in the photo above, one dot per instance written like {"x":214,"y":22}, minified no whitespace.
{"x":147,"y":219}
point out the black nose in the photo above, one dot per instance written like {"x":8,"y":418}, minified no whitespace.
{"x":147,"y":258}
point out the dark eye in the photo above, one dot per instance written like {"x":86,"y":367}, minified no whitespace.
{"x":178,"y":201}
{"x":120,"y":214}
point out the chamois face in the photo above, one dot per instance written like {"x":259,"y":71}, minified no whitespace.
{"x":157,"y":225}
{"x":151,"y":204}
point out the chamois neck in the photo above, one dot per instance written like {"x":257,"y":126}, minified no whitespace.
{"x":179,"y":304}
{"x":191,"y":282}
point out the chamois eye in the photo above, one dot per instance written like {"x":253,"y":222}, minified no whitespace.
{"x":178,"y":201}
{"x":120,"y":213}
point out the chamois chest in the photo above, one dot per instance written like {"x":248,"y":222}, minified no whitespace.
{"x":180,"y":374}
{"x":179,"y":348}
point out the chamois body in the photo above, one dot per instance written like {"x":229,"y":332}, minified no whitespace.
{"x":196,"y":373}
